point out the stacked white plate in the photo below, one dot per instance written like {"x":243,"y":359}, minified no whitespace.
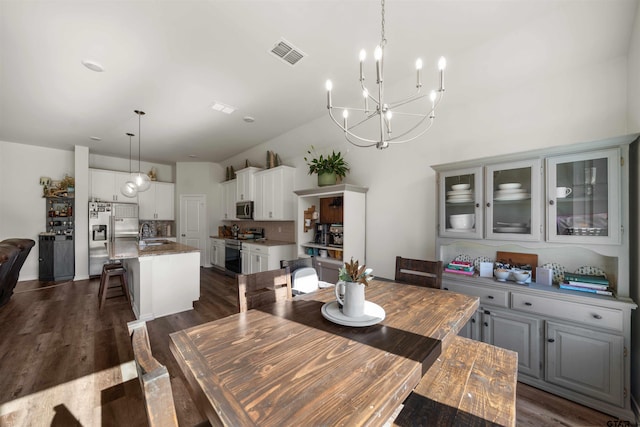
{"x":459,"y":196}
{"x":511,"y":191}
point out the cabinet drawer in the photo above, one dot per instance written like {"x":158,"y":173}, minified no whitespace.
{"x":600,"y":317}
{"x":259,"y":249}
{"x":490,"y":296}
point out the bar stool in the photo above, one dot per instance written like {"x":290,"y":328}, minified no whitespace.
{"x":108,"y":271}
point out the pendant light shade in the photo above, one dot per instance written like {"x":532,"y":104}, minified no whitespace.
{"x":129,"y":188}
{"x":141,"y":180}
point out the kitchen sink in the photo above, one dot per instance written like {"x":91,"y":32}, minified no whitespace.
{"x":154,"y":242}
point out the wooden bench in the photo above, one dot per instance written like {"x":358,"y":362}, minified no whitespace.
{"x":471,"y":384}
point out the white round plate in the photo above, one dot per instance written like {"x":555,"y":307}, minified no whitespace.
{"x":510,"y":229}
{"x":509,"y":185}
{"x":460,"y":186}
{"x":461,"y":230}
{"x":459,"y":192}
{"x":517,"y":196}
{"x":469,"y":200}
{"x":373,"y":314}
{"x":510,"y":191}
{"x":477,"y":261}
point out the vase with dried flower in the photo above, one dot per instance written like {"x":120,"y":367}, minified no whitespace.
{"x":353,"y":279}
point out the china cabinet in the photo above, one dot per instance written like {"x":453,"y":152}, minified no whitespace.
{"x":567,"y":206}
{"x":56,"y":255}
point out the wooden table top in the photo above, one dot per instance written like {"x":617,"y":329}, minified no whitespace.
{"x":287,"y":365}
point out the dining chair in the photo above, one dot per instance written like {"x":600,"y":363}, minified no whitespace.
{"x":154,"y":379}
{"x":267,"y":287}
{"x":419,"y":272}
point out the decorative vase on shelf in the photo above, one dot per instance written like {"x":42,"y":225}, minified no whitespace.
{"x":326,"y":178}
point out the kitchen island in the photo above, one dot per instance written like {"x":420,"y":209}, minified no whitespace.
{"x":164,"y":277}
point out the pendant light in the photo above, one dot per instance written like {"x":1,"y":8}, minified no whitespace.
{"x":129,"y":188}
{"x":142,"y":181}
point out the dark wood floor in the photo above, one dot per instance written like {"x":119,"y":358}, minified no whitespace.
{"x":65,"y":363}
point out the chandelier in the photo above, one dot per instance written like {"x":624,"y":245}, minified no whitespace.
{"x":141,"y":180}
{"x":383,"y":111}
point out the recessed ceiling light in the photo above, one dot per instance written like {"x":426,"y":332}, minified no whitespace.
{"x":95,"y":138}
{"x":93,"y":66}
{"x":193,"y":156}
{"x":224,"y":108}
{"x":248,"y":119}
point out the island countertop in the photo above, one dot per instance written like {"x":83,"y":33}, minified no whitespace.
{"x":126,"y":249}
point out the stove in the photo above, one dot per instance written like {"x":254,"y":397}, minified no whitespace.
{"x":233,"y":247}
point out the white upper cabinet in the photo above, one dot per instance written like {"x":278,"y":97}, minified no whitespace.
{"x":105,"y":186}
{"x":157,"y":203}
{"x":461,"y":198}
{"x":229,"y":199}
{"x":245,"y":190}
{"x":583,"y":197}
{"x":512,"y":201}
{"x":274,"y":194}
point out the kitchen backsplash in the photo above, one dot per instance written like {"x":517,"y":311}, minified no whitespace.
{"x":158,"y":228}
{"x":273,"y":230}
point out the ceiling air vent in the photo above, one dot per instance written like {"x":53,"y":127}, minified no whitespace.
{"x":287,"y":52}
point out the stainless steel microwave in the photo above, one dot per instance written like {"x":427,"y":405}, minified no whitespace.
{"x":244,"y":210}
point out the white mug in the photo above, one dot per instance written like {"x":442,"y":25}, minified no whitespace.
{"x":353,"y":300}
{"x":562,"y":192}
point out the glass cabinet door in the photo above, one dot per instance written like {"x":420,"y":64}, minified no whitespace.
{"x":583,"y":192}
{"x":460,"y":203}
{"x":512,"y":196}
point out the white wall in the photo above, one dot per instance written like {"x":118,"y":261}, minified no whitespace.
{"x":575,"y":105}
{"x":23,"y":210}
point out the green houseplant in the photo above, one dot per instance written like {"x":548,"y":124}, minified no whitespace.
{"x":329,"y":168}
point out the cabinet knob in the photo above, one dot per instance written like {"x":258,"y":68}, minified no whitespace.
{"x":528,"y":303}
{"x":490,"y":296}
{"x":486,"y":324}
{"x":597,"y":316}
{"x":446,"y":289}
{"x":488,"y":204}
{"x":473,"y":320}
{"x":551,"y":340}
{"x":551,"y":202}
{"x":477,"y":205}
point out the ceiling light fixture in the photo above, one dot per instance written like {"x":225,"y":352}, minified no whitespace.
{"x":142,"y":181}
{"x":129,"y":188}
{"x":95,"y":138}
{"x":224,"y":108}
{"x":93,"y":66}
{"x":249,"y":119}
{"x":384,"y":112}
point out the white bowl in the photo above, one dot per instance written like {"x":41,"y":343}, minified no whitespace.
{"x":509,"y":185}
{"x":521,"y":276}
{"x":501,"y":274}
{"x":462,"y":221}
{"x":460,"y":186}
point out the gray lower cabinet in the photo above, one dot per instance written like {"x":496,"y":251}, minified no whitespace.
{"x":327,"y":270}
{"x":516,"y":332}
{"x":572,"y":345}
{"x":585,"y":360}
{"x":57,"y":260}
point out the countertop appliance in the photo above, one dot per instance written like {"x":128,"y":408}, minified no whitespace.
{"x":322,"y":234}
{"x":244,"y":210}
{"x":108,"y":221}
{"x":337,"y":232}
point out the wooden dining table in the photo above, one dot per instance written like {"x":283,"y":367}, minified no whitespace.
{"x":285,"y":364}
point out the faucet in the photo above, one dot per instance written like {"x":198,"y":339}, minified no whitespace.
{"x":141,"y":232}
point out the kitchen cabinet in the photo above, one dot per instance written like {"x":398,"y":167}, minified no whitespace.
{"x":353,"y":222}
{"x":157,"y":203}
{"x":274,"y":194}
{"x":229,"y":189}
{"x":587,"y":361}
{"x":575,"y":345}
{"x":506,"y":205}
{"x":56,"y":258}
{"x":245,"y":187}
{"x":217,"y":253}
{"x":258,"y":257}
{"x":105,"y":186}
{"x":583,"y":192}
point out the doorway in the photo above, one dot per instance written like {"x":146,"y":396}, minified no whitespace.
{"x":193,"y":223}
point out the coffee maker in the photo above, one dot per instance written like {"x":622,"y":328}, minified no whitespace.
{"x":322,"y":234}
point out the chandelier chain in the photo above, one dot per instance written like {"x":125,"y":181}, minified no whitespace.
{"x":383,"y":41}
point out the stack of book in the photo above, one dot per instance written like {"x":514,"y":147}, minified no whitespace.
{"x":460,"y":267}
{"x":586,"y":283}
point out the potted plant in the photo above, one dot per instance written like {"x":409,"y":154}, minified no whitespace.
{"x":329,"y":168}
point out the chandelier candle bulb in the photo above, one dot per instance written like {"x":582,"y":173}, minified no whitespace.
{"x":329,"y":86}
{"x":418,"y":69}
{"x":345,"y":114}
{"x":433,"y":96}
{"x":365,"y":94}
{"x":363,"y":56}
{"x":442,"y":64}
{"x":378,"y":56}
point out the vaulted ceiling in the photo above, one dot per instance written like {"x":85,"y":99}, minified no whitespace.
{"x":174,"y":59}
